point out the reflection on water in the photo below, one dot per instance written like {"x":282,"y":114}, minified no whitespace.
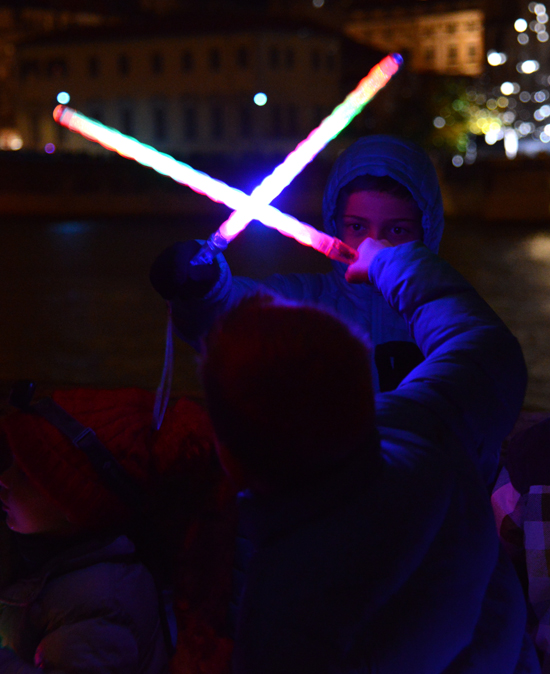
{"x":537,"y":247}
{"x":78,"y":307}
{"x":510,"y":267}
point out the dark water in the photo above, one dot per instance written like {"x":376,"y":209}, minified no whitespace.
{"x":78,"y":308}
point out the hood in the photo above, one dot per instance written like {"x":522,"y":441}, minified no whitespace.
{"x":399,"y":159}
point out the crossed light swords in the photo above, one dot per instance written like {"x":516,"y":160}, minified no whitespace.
{"x":255,"y":206}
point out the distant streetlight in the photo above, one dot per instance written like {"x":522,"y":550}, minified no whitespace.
{"x":260,"y":99}
{"x":495,"y":58}
{"x":528,"y":67}
{"x":520,"y":25}
{"x":63,"y":98}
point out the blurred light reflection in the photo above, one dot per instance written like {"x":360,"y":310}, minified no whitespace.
{"x":537,"y":248}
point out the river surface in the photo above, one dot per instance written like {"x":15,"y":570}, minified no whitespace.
{"x":78,"y":308}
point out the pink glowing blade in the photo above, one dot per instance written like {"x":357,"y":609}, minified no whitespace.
{"x":204,"y":184}
{"x":303,"y":154}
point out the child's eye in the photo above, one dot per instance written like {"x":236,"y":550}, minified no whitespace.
{"x":356,"y":226}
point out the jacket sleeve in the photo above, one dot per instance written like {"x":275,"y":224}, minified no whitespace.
{"x":91,"y":647}
{"x":471,"y":386}
{"x":98,"y":620}
{"x":194,"y":318}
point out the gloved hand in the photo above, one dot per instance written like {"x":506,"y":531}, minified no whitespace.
{"x":172,"y":274}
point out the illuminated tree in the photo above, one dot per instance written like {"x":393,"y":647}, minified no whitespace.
{"x":511,"y":102}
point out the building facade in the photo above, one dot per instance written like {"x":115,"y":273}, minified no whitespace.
{"x":184,"y":90}
{"x":447,"y":40}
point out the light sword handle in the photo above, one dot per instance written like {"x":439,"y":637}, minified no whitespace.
{"x":215,"y":244}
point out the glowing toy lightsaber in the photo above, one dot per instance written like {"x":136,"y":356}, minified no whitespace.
{"x":201,"y":182}
{"x":297,"y":160}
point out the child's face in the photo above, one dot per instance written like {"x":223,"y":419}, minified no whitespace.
{"x":27,"y":510}
{"x":378,"y":215}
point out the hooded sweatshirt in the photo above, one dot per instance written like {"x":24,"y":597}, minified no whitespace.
{"x":360,"y":304}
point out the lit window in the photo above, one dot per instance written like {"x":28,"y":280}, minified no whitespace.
{"x":452,"y":55}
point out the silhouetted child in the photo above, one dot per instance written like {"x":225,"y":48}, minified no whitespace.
{"x":81,"y":483}
{"x":373,"y":545}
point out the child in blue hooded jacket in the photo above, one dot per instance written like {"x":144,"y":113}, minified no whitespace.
{"x":381,"y":187}
{"x":396,"y":177}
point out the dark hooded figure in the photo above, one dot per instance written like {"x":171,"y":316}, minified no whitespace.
{"x":402,"y":176}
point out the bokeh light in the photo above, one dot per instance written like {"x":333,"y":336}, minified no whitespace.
{"x":260,"y":98}
{"x":495,"y":58}
{"x":10,"y":139}
{"x":63,"y":97}
{"x":528,"y":67}
{"x":49,"y":148}
{"x":520,"y":25}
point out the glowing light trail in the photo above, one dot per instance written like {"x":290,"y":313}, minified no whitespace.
{"x":200,"y":182}
{"x":295,"y":162}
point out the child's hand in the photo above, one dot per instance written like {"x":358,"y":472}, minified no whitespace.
{"x":358,"y":272}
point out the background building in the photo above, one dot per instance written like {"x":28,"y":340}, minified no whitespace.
{"x":449,"y":40}
{"x":193,"y":85}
